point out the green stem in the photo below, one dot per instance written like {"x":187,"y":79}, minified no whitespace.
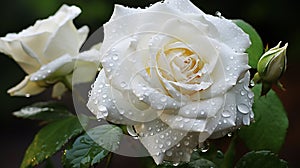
{"x":108,"y":160}
{"x":230,"y":154}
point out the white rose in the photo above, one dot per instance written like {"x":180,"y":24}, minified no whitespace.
{"x":53,"y":39}
{"x":174,"y":73}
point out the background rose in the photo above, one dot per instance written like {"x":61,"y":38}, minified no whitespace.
{"x":53,"y":39}
{"x":177,"y":75}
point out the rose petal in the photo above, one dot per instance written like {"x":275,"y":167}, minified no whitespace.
{"x":238,"y":98}
{"x":26,"y":88}
{"x":183,"y":6}
{"x":160,"y":141}
{"x":13,"y":46}
{"x":195,"y":116}
{"x":58,"y":90}
{"x":230,"y":33}
{"x":85,"y":63}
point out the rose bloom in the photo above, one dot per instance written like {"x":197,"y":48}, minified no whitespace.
{"x":175,"y":74}
{"x":54,"y":41}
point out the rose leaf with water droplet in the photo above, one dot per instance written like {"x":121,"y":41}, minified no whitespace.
{"x":108,"y":136}
{"x":269,"y":129}
{"x":47,"y":111}
{"x":51,"y":138}
{"x":86,"y":150}
{"x":212,"y":154}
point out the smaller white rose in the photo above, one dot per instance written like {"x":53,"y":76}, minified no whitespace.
{"x":50,"y":44}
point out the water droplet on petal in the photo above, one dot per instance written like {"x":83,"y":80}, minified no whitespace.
{"x":186,"y":143}
{"x":226,"y":114}
{"x":243,"y":108}
{"x":27,"y":95}
{"x":250,"y":95}
{"x":163,"y":99}
{"x":169,"y":153}
{"x":115,"y":57}
{"x":243,"y":92}
{"x":179,"y":118}
{"x":246,"y":120}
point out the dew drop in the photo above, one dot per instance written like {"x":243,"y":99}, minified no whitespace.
{"x":169,"y":143}
{"x":169,"y":153}
{"x":205,"y":147}
{"x":202,"y":112}
{"x":243,"y":92}
{"x":160,"y":146}
{"x":131,"y":131}
{"x":104,"y":96}
{"x":226,"y":114}
{"x":102,"y":108}
{"x":246,"y":120}
{"x":175,"y":164}
{"x":163,"y":99}
{"x":220,"y":154}
{"x":187,"y":112}
{"x":27,"y":95}
{"x":219,"y":14}
{"x":251,"y":115}
{"x":250,"y":95}
{"x":252,"y":84}
{"x":186,"y":143}
{"x":243,"y":108}
{"x":229,"y":134}
{"x":115,"y":57}
{"x":179,"y":118}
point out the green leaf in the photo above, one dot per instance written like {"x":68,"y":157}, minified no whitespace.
{"x":108,"y":136}
{"x":213,"y":154}
{"x":50,"y":139}
{"x":49,"y":111}
{"x":256,"y":49}
{"x":85,"y":152}
{"x":269,"y":129}
{"x":203,"y":163}
{"x":261,"y":159}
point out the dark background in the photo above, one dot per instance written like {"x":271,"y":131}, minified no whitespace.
{"x":276,"y":20}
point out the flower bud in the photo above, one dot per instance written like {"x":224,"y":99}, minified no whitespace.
{"x":271,"y":67}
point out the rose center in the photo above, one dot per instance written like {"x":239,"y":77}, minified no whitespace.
{"x":180,"y":65}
